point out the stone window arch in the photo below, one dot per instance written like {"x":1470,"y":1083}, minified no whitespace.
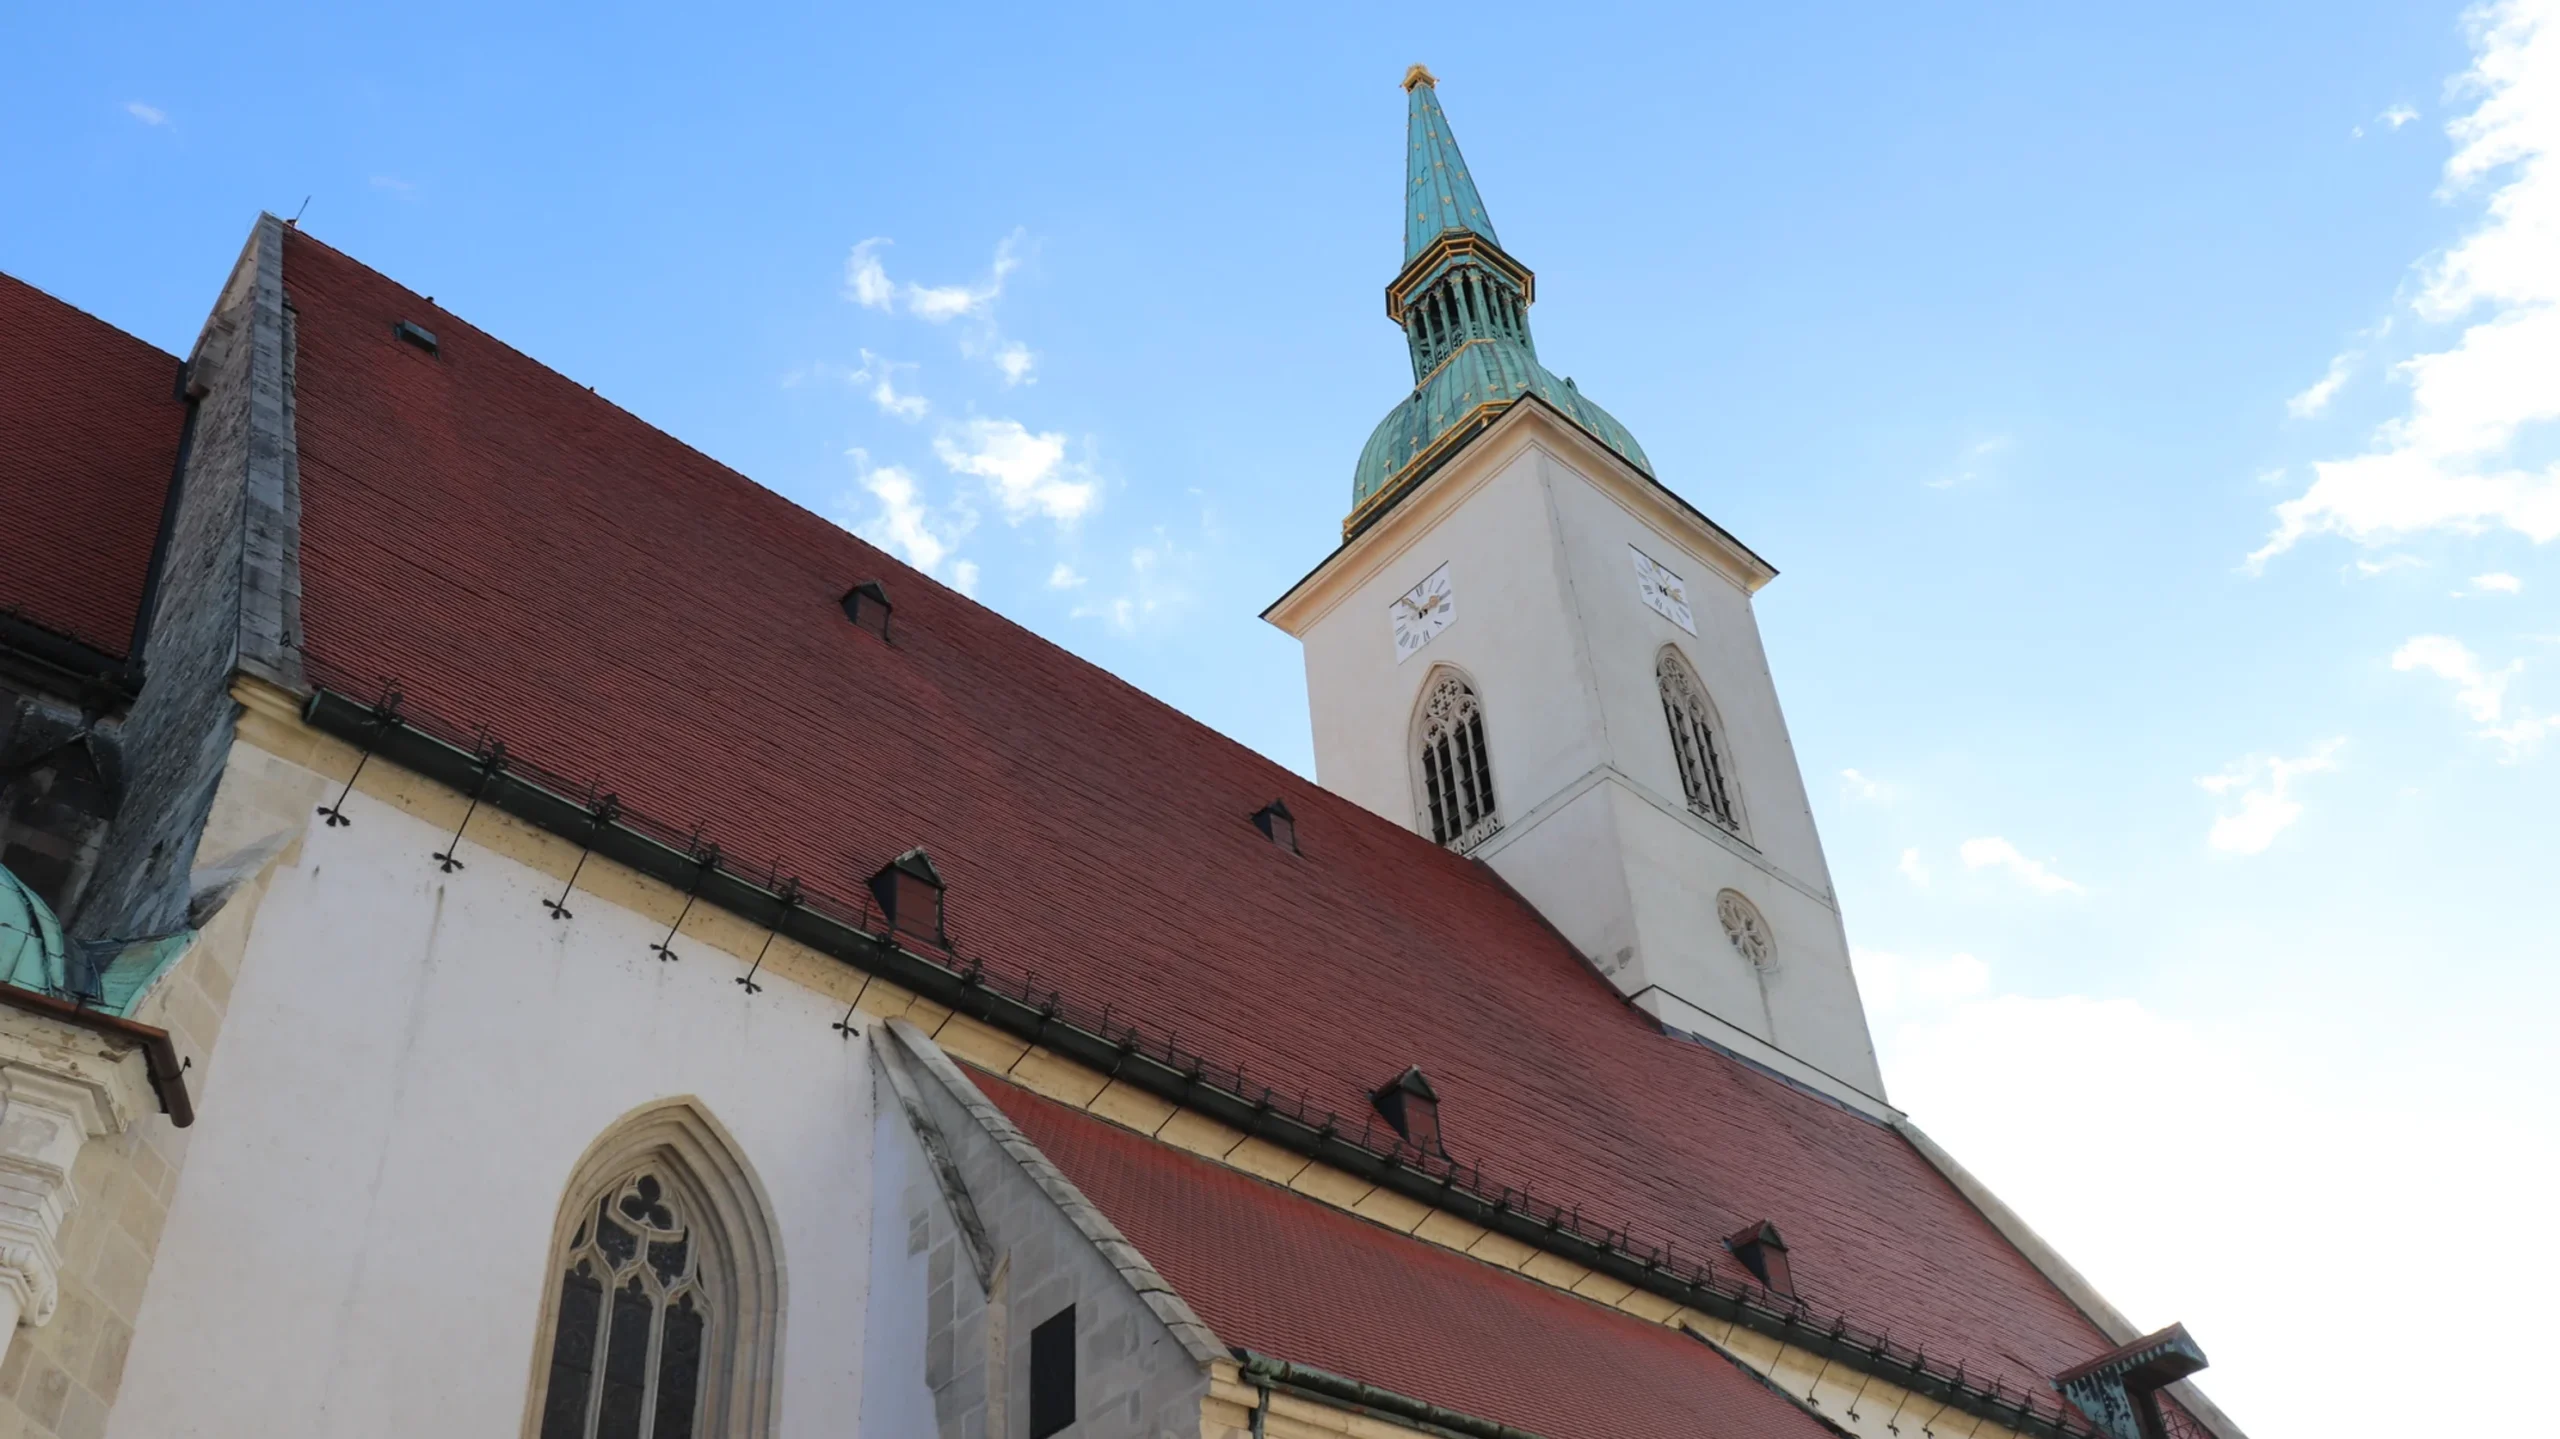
{"x":662,"y":1299}
{"x":1697,"y":742}
{"x":1453,"y":769}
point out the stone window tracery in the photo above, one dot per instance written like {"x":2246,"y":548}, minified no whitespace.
{"x":1696,"y":742}
{"x":663,"y":1294}
{"x":1456,"y":771}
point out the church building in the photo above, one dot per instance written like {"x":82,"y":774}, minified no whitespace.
{"x":511,"y":928}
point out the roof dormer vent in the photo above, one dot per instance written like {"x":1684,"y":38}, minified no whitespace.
{"x":867,"y":605}
{"x":1277,"y":825}
{"x":1762,"y":1252}
{"x":415,"y":334}
{"x":909,"y":889}
{"x":1412,"y":1107}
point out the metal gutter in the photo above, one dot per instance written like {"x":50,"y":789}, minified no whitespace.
{"x":1017,"y":1006}
{"x":1336,"y":1391}
{"x":160,"y":1056}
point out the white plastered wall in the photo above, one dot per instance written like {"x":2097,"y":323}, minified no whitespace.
{"x":1534,"y":522}
{"x":412,"y":1064}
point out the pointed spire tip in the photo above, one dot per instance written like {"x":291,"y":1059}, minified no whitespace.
{"x":1419,"y":75}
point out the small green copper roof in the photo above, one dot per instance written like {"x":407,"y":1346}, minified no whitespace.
{"x":1485,"y":372}
{"x":1439,"y":194}
{"x":112,"y":975}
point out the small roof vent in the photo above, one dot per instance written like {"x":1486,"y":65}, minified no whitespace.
{"x":909,"y":889}
{"x":1762,"y":1252}
{"x":1412,"y":1107}
{"x":1277,"y":825}
{"x":867,"y":605}
{"x":415,"y":334}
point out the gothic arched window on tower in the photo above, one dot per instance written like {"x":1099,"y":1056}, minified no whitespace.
{"x":663,"y":1291}
{"x":1697,"y":742}
{"x":1456,"y":771}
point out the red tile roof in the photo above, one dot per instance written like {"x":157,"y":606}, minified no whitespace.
{"x":89,"y":422}
{"x":1287,"y":1276}
{"x":515,"y":551}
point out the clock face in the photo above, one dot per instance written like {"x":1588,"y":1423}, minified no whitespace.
{"x":1421,"y":613}
{"x":1666,"y":592}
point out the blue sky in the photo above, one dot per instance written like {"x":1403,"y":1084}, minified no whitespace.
{"x":2152,"y":413}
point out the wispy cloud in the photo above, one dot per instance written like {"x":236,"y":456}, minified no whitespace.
{"x":1862,"y":787}
{"x":901,"y":519}
{"x":1155,"y":585}
{"x":1994,"y":852}
{"x":1027,"y":473}
{"x":1970,"y":465}
{"x":2453,"y":460}
{"x":867,"y":283}
{"x":2313,"y":400}
{"x":2263,"y":785}
{"x":2480,"y":692}
{"x":1015,"y":362}
{"x":1914,"y":868}
{"x":1063,"y":576}
{"x":2396,"y":116}
{"x":147,"y":114}
{"x":2363,"y":568}
{"x":2497,"y":582}
{"x":394,"y":184}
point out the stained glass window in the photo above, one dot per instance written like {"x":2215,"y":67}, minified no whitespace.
{"x":628,"y":1364}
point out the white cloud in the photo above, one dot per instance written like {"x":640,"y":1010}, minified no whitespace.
{"x":1154,"y":587}
{"x":1016,"y":362}
{"x":2481,"y":693}
{"x":2497,"y":582}
{"x":2451,"y":462}
{"x":964,"y":578}
{"x":147,"y":114}
{"x":1913,"y":869}
{"x":1970,"y":465}
{"x":1027,"y":473}
{"x":1994,"y":851}
{"x":1865,"y":788}
{"x":2397,"y":116}
{"x":1064,"y":577}
{"x":904,"y":522}
{"x":866,"y":283}
{"x":2266,"y":803}
{"x":2315,"y":399}
{"x":2367,"y":569}
{"x":882,"y":377}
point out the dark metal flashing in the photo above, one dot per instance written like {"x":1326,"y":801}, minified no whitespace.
{"x":159,"y":1055}
{"x":47,"y":655}
{"x":1338,"y":1392}
{"x":1015,"y":1003}
{"x":168,"y":515}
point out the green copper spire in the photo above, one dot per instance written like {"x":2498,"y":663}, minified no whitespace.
{"x":1440,"y":194}
{"x":1463,"y":303}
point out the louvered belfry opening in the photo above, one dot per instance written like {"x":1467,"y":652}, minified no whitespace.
{"x":1457,"y":770}
{"x":1466,"y":303}
{"x":1694,"y":743}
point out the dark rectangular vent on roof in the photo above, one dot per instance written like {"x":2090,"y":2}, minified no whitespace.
{"x":909,"y":890}
{"x":418,"y":335}
{"x":867,"y":605}
{"x":1411,"y":1105}
{"x":1277,"y":825}
{"x":1762,"y":1252}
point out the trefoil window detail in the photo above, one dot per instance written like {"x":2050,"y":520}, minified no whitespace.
{"x":628,"y":1342}
{"x":1696,"y":743}
{"x":1457,"y":772}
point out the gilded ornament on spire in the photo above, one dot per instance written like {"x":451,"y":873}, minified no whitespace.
{"x":1419,"y":75}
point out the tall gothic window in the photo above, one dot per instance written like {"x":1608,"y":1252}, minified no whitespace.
{"x":663,"y":1295}
{"x":1696,"y":742}
{"x":626,"y":1348}
{"x":1457,"y":773}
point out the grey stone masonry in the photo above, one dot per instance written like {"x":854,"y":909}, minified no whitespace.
{"x":229,"y":599}
{"x":1142,"y":1356}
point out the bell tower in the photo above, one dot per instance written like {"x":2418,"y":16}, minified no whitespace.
{"x":1529,"y":650}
